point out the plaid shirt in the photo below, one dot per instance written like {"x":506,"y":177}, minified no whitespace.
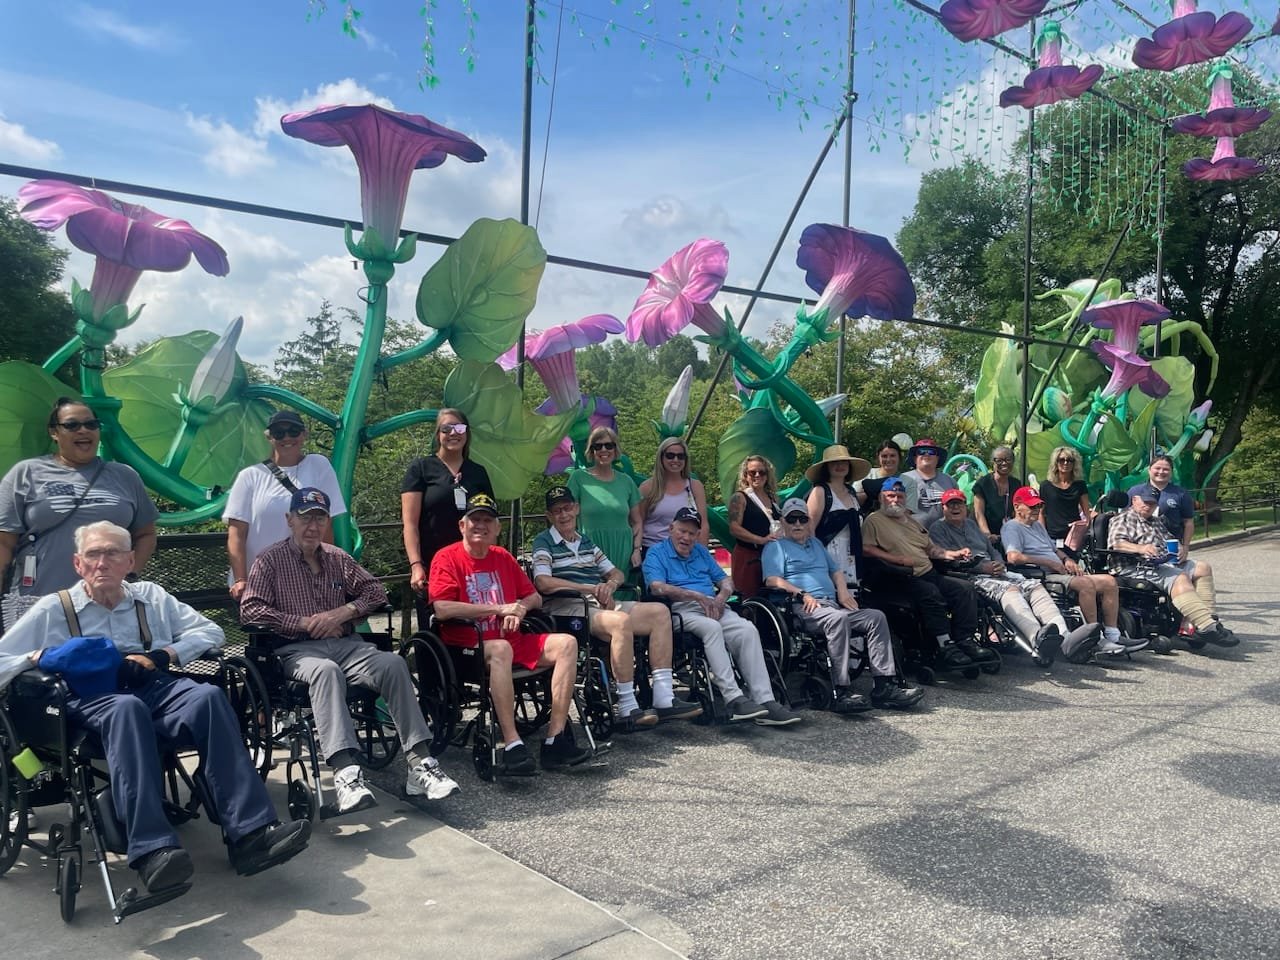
{"x":282,"y":590}
{"x":1128,"y":526}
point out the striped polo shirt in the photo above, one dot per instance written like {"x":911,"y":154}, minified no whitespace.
{"x":578,"y":562}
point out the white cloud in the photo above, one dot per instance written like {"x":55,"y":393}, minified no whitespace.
{"x":96,"y":21}
{"x":16,"y":143}
{"x":227,"y":150}
{"x":271,"y":109}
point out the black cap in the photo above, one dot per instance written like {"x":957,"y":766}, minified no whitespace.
{"x":285,"y":416}
{"x":481,"y":503}
{"x":688,"y":514}
{"x":559,"y":495}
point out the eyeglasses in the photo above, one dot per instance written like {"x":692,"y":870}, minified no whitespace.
{"x":456,"y":428}
{"x":292,"y":430}
{"x":673,"y":455}
{"x":796,"y":518}
{"x":757,"y":473}
{"x":310,"y":519}
{"x":110,"y":555}
{"x":954,"y":503}
{"x":604,"y":445}
{"x":1005,"y":460}
{"x":75,"y":426}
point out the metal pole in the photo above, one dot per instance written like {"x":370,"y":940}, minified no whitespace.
{"x":850,"y":98}
{"x":1161,"y":196}
{"x":1027,"y":204}
{"x":526,"y":161}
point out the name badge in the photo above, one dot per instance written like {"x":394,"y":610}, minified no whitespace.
{"x":460,"y":498}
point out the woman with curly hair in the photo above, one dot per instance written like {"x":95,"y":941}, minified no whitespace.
{"x":1065,"y":494}
{"x":754,"y":520}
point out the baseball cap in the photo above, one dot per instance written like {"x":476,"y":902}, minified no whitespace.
{"x":688,"y":514}
{"x":1027,"y":497}
{"x":559,"y":495}
{"x":481,"y":503}
{"x":954,"y":494}
{"x":309,"y":500}
{"x":1147,"y":492}
{"x":795,"y":505}
{"x":926,"y":445}
{"x":285,"y":416}
{"x":893,"y":483}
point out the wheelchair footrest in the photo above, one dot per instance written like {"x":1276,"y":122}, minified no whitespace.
{"x":131,"y":901}
{"x":178,"y":815}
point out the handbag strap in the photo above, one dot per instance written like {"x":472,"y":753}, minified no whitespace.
{"x":73,"y":621}
{"x":280,"y":475}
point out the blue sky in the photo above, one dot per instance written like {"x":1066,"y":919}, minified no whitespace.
{"x":639,"y":162}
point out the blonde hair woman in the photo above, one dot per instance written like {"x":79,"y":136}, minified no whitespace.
{"x":1065,"y":494}
{"x":754,"y":520}
{"x":669,"y":488}
{"x":608,"y":500}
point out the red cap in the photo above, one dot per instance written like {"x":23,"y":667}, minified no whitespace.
{"x":1027,"y":496}
{"x":953,"y":494}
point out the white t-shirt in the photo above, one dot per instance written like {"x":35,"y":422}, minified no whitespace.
{"x":260,"y":500}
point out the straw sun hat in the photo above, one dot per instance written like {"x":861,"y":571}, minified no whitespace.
{"x":858,"y":468}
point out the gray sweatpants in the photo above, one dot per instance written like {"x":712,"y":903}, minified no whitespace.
{"x":327,"y":666}
{"x":720,"y":638}
{"x":840,"y":627}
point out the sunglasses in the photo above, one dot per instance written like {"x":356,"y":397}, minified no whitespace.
{"x":75,"y":426}
{"x":672,"y":455}
{"x":796,"y":518}
{"x":455,"y":428}
{"x":757,"y":473}
{"x":1066,"y":459}
{"x":293,"y":430}
{"x":1003,"y":460}
{"x":604,"y":445}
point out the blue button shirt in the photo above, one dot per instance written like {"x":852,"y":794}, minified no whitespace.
{"x":698,"y":572}
{"x":807,"y":566}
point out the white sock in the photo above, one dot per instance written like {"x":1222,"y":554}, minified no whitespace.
{"x":1111,"y":633}
{"x":513,"y":744}
{"x":943,"y":639}
{"x":663,"y":695}
{"x":627,"y":697}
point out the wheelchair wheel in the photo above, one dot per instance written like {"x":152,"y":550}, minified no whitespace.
{"x":1128,"y":623}
{"x":68,"y":886}
{"x":302,"y":801}
{"x":597,"y":701}
{"x":13,"y":798}
{"x":437,"y":684}
{"x":245,"y":688}
{"x":926,"y":676}
{"x":816,"y":692}
{"x":533,"y":703}
{"x":993,"y":666}
{"x":375,"y":733}
{"x":482,"y":755}
{"x":774,"y":637}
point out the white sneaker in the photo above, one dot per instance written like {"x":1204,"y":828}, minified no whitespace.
{"x":427,"y":778}
{"x":1109,"y":648}
{"x":353,"y":793}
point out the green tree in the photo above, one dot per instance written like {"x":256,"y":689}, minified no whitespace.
{"x":35,"y":317}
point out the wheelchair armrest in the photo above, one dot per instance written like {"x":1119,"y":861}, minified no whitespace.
{"x":256,"y":629}
{"x":887,"y":569}
{"x":1031,"y":571}
{"x":34,"y":676}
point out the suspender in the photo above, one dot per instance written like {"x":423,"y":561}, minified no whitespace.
{"x":144,"y":631}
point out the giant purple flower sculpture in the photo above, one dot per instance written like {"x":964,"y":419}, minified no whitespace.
{"x":388,"y":147}
{"x":983,"y":19}
{"x":1051,"y":81}
{"x":1224,"y":118}
{"x":125,"y":239}
{"x":1128,"y":370}
{"x":679,"y":292}
{"x":603,"y":414}
{"x":1124,"y":318}
{"x":550,"y":353}
{"x":1225,"y":165}
{"x":855,"y":273}
{"x":1190,"y":37}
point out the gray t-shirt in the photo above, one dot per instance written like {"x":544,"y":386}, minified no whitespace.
{"x":37,"y":494}
{"x":950,"y":537}
{"x":929,"y":496}
{"x":1029,"y":538}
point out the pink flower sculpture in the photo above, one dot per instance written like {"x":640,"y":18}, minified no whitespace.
{"x":550,"y":353}
{"x":679,"y":292}
{"x":983,"y":19}
{"x":855,"y":273}
{"x":1124,"y":318}
{"x":1128,"y":370}
{"x":1224,"y":118}
{"x":1051,"y":81}
{"x":603,"y":414}
{"x":1225,"y":165}
{"x":125,"y":238}
{"x":388,"y":147}
{"x":1190,"y":37}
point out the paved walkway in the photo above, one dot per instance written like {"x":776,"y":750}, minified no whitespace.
{"x":1123,"y":811}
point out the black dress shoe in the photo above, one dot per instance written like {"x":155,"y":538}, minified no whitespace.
{"x":165,"y":868}
{"x":954,"y":658}
{"x":978,"y":653}
{"x":269,"y":845}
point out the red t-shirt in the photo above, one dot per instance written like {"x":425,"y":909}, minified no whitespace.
{"x":456,"y":575}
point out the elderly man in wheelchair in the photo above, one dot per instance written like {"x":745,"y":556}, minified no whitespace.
{"x":129,"y":699}
{"x":800,"y":567}
{"x":579,"y":580}
{"x":312,"y":594}
{"x":478,"y":581}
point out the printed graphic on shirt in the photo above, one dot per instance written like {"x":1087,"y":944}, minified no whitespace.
{"x":483,"y":587}
{"x":61,"y":496}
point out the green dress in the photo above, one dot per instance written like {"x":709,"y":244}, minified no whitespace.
{"x":605,"y":508}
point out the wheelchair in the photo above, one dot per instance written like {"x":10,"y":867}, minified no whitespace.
{"x":288,"y":721}
{"x":34,"y":716}
{"x":453,"y":691}
{"x":796,"y":654}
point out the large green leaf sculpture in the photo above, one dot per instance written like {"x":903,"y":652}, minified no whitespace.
{"x":1172,"y":409}
{"x":998,"y":395}
{"x":483,"y":288}
{"x":756,"y":432}
{"x":146,"y":385}
{"x":1039,"y":448}
{"x":511,"y":442}
{"x":27,"y":394}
